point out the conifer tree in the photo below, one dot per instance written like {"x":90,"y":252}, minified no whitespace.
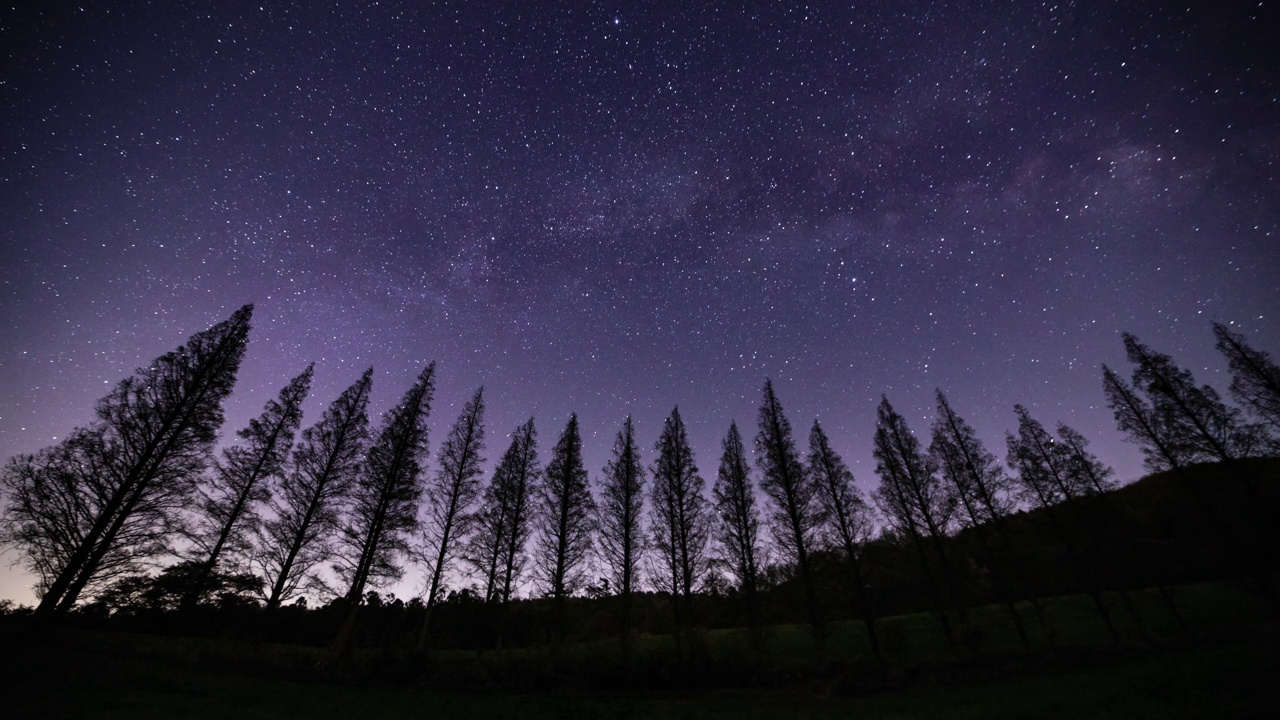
{"x":501,"y":525}
{"x":796,"y":513}
{"x":680,"y":522}
{"x":1096,"y":480}
{"x":298,"y":535}
{"x":1255,"y":381}
{"x":484,"y":546}
{"x":979,"y":487}
{"x":152,"y":436}
{"x":1138,"y":421}
{"x":1175,"y":427}
{"x":738,"y":520}
{"x":450,"y":497}
{"x":1044,"y":474}
{"x":566,"y":517}
{"x":621,"y":534}
{"x":912,"y":497}
{"x":1192,"y":419}
{"x":848,"y":521}
{"x":229,"y":505}
{"x":382,"y":509}
{"x":513,"y":492}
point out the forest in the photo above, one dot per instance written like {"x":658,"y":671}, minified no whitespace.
{"x":775,"y":569}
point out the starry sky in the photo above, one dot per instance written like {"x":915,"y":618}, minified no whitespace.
{"x":614,"y":208}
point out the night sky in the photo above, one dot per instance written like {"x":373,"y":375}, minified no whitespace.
{"x":615,"y":208}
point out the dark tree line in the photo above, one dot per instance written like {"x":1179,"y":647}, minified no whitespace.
{"x":339,"y":511}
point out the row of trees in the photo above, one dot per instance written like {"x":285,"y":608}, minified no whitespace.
{"x":338,"y":510}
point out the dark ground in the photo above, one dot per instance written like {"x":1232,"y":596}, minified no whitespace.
{"x":71,"y":674}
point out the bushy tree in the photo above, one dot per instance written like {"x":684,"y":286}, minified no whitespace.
{"x":118,"y":485}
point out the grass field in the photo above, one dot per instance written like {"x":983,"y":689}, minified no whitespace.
{"x":1228,"y":670}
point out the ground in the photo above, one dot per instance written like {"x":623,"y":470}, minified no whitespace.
{"x":78,"y":675}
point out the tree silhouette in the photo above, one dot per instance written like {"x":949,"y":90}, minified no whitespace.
{"x":566,"y":513}
{"x":229,"y":503}
{"x":383,"y":505}
{"x":516,"y":483}
{"x":978,"y":485}
{"x":1255,"y":381}
{"x":1095,"y":479}
{"x":738,"y":521}
{"x":1178,"y":424}
{"x":450,"y":496}
{"x":921,"y":510}
{"x":1044,"y":474}
{"x":848,"y":522}
{"x":1192,"y":419}
{"x":1139,"y":423}
{"x":796,"y":514}
{"x":137,"y":464}
{"x":621,"y":534}
{"x":382,"y":514}
{"x":49,"y":498}
{"x":298,"y":535}
{"x":680,"y":526}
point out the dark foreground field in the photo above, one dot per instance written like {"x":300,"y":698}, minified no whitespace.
{"x":77,"y":675}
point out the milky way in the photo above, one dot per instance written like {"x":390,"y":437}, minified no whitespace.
{"x":614,"y":209}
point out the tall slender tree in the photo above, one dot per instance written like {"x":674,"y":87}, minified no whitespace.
{"x":297,"y":537}
{"x":1096,"y":480}
{"x":848,"y":522}
{"x":738,"y":521}
{"x":566,"y":515}
{"x":1138,"y":421}
{"x":914,"y":500}
{"x":484,"y":546}
{"x":621,"y":534}
{"x":230,"y":502}
{"x":517,"y":483}
{"x":382,"y":512}
{"x":1043,"y":472}
{"x":450,"y":497}
{"x":796,"y":514}
{"x":500,"y":527}
{"x":980,"y":487}
{"x":152,"y":436}
{"x":1255,"y":381}
{"x":680,"y":523}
